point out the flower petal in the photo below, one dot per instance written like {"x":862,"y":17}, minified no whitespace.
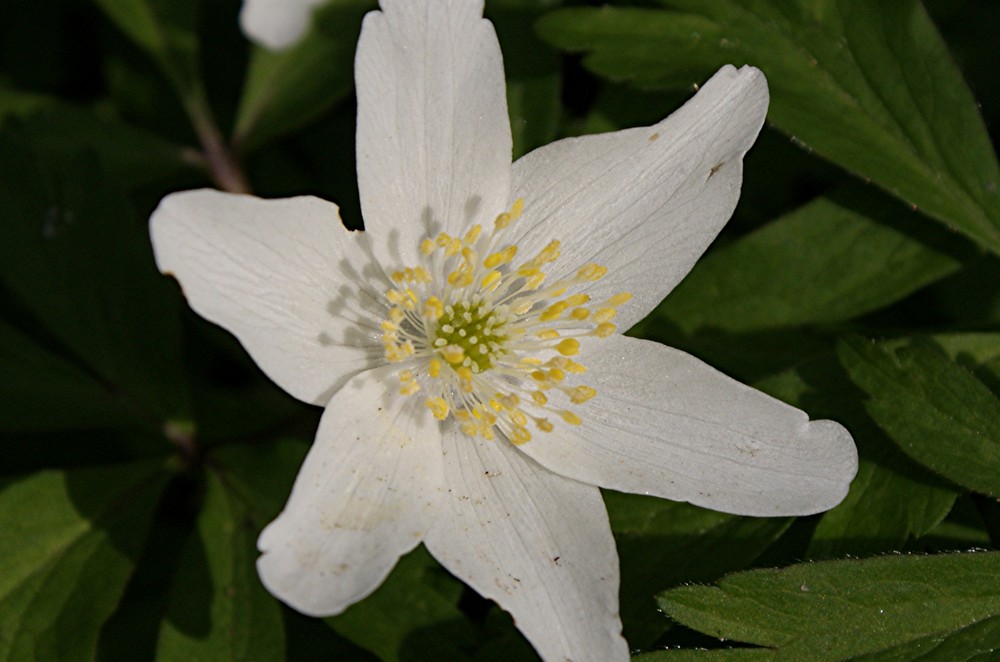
{"x":666,"y":424}
{"x":433,"y":142}
{"x":366,"y":493}
{"x":276,"y":24}
{"x":284,"y":276}
{"x":643,"y":202}
{"x":536,"y":543}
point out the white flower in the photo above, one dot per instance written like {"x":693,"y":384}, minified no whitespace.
{"x":466,"y":346}
{"x":276,"y":24}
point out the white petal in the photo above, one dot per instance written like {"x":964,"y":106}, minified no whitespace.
{"x":534,"y":542}
{"x":366,"y":493}
{"x":284,"y":276}
{"x":276,"y":24}
{"x":664,"y":423}
{"x":433,"y":142}
{"x":643,"y":202}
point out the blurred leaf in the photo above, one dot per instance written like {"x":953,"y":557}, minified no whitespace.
{"x":69,"y":540}
{"x":78,"y":260}
{"x":218,"y":609}
{"x":166,"y":30}
{"x":43,"y":391}
{"x":532,"y":70}
{"x":892,"y":499}
{"x":889,"y":608}
{"x":664,"y":543}
{"x":260,"y":475}
{"x":60,"y":131}
{"x":287,"y":89}
{"x":869,"y":85}
{"x":938,"y":412}
{"x":831,"y":260}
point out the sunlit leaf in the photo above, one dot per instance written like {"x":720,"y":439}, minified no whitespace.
{"x":887,"y":608}
{"x":831,"y":260}
{"x":869,"y":85}
{"x":69,"y":540}
{"x":937,"y":411}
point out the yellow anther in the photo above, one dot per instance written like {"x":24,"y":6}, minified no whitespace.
{"x":495,"y":405}
{"x":518,"y":418}
{"x":491,"y":280}
{"x":443,"y":239}
{"x":427,"y":246}
{"x":433,"y":308}
{"x":539,"y":398}
{"x":535,"y":281}
{"x":569,"y":347}
{"x":577,"y":299}
{"x":453,"y":247}
{"x":570,"y":417}
{"x":548,"y":254}
{"x":421,"y":275}
{"x":605,"y":315}
{"x":574,"y":367}
{"x":396,"y":315}
{"x":591,"y":272}
{"x":581,"y":394}
{"x":395,"y":297}
{"x":528,"y":271}
{"x":502,"y":221}
{"x":517,"y":208}
{"x":438,"y":407}
{"x":388,"y":325}
{"x":580,"y":314}
{"x":434,"y":368}
{"x":470,"y":255}
{"x":539,"y":376}
{"x":470,"y":428}
{"x":500,"y":257}
{"x":547,"y":334}
{"x":557,"y":375}
{"x":462,"y":415}
{"x":620,"y":298}
{"x":408,"y":349}
{"x":398,"y":276}
{"x":544,"y":425}
{"x":472,"y":236}
{"x":553,"y":311}
{"x":453,"y":354}
{"x":604,"y":330}
{"x":531,"y":360}
{"x":509,"y":401}
{"x":520,"y":436}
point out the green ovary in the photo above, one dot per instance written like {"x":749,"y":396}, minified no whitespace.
{"x":477,"y":330}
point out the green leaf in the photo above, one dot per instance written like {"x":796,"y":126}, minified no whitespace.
{"x":532,"y":70}
{"x":836,"y":258}
{"x":218,"y":609}
{"x":42,"y":391}
{"x":699,"y":655}
{"x":78,"y":260}
{"x":938,"y":412}
{"x":869,"y":85}
{"x":60,"y":131}
{"x":69,"y":540}
{"x":166,"y":30}
{"x":287,"y":89}
{"x":664,"y":543}
{"x":892,"y":500}
{"x":888,"y":608}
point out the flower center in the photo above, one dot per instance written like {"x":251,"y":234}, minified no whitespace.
{"x":487,"y":339}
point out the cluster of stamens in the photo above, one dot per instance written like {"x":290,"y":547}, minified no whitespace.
{"x":486,"y":339}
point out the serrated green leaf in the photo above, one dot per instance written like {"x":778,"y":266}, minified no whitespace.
{"x":869,"y":85}
{"x":887,"y":607}
{"x":892,"y":500}
{"x":836,"y":258}
{"x":69,"y":540}
{"x":664,"y":543}
{"x":286,"y":89}
{"x":218,"y":609}
{"x":77,"y":259}
{"x":935,"y":410}
{"x":698,"y":655}
{"x":166,"y":30}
